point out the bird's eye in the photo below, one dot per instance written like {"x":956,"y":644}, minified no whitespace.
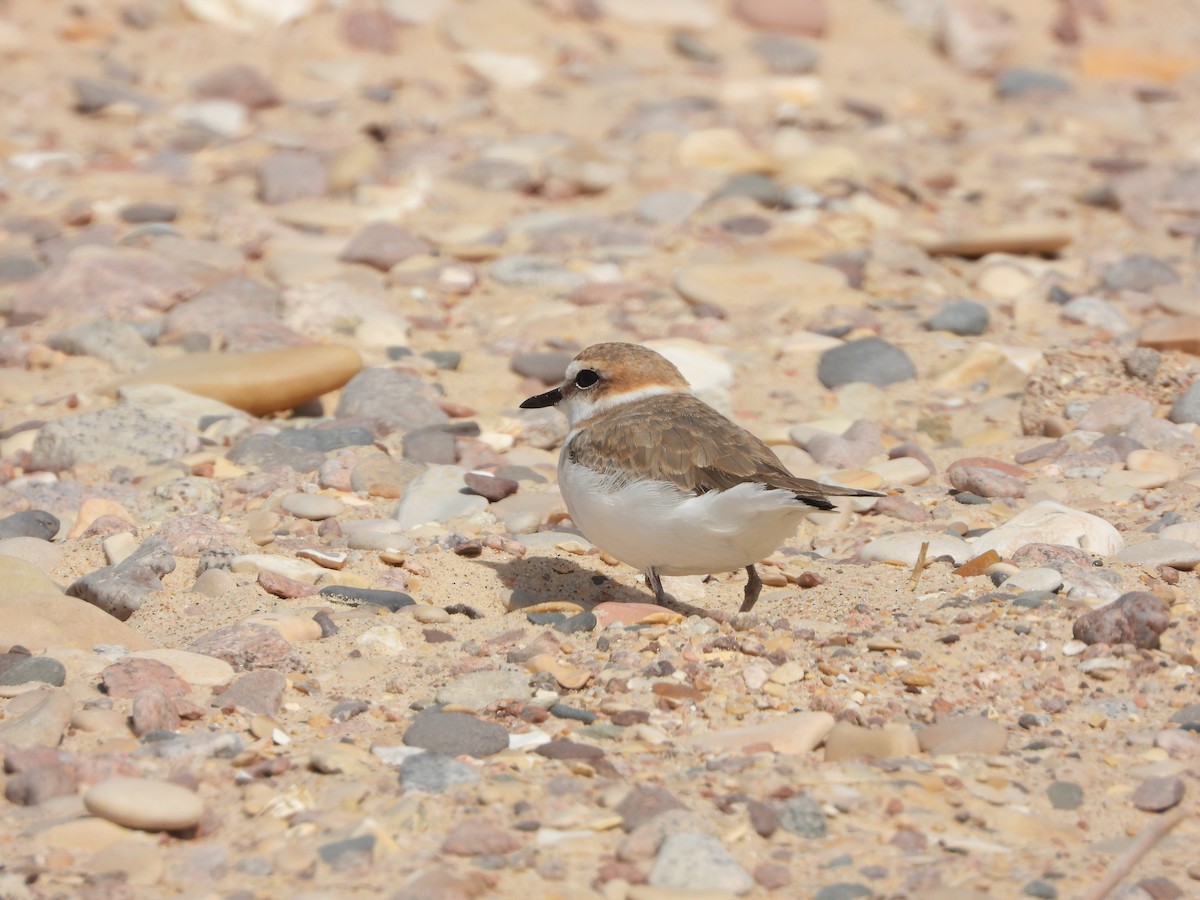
{"x":586,"y":379}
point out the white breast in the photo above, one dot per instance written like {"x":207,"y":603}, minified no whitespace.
{"x":653,"y":523}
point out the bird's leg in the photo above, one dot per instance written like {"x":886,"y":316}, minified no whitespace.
{"x":753,"y":589}
{"x":655,"y":584}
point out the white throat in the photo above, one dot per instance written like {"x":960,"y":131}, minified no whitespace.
{"x":580,"y":406}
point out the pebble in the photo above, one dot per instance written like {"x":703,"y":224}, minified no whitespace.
{"x":36,"y":718}
{"x":847,"y":741}
{"x":456,"y":734}
{"x":1048,"y":522}
{"x":967,"y":318}
{"x":698,"y":862}
{"x":1151,"y":554}
{"x":1159,"y":794}
{"x":437,"y":496}
{"x":312,"y":506}
{"x":1138,"y":272}
{"x":248,"y":646}
{"x":963,"y":734}
{"x":479,"y":689}
{"x":1065,"y":795}
{"x":144,"y":804}
{"x":843,"y":890}
{"x":130,"y":433}
{"x":398,"y":401}
{"x":535,"y":273}
{"x":802,"y":816}
{"x":33,"y":669}
{"x":905,"y":548}
{"x":122,"y":588}
{"x":1186,"y":408}
{"x":1020,"y":82}
{"x":645,"y":802}
{"x":239,"y":82}
{"x":256,"y":381}
{"x":33,"y":523}
{"x":476,"y":838}
{"x":382,"y":245}
{"x":1038,"y":578}
{"x":1137,"y":618}
{"x":785,"y":55}
{"x":872,"y":360}
{"x":547,"y":368}
{"x":259,"y":692}
{"x":435,"y":773}
{"x":1013,"y":238}
{"x":389,"y":600}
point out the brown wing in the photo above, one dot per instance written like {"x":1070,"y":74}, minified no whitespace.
{"x":680,"y":439}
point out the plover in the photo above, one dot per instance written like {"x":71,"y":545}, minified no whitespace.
{"x":662,"y":481}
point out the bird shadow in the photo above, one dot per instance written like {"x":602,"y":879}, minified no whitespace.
{"x":544,"y":579}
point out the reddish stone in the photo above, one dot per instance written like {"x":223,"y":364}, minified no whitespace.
{"x":126,"y":677}
{"x":475,"y":838}
{"x":807,"y":17}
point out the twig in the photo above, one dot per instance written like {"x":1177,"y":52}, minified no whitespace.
{"x":918,"y":566}
{"x":1142,"y":844}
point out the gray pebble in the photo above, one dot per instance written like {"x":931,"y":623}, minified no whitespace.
{"x":1138,"y":272}
{"x":580,"y":622}
{"x":785,"y":55}
{"x":1040,"y":888}
{"x":1021,"y":82}
{"x":456,"y":734}
{"x":352,"y":851}
{"x":843,"y":890}
{"x":266,"y":452}
{"x":105,"y":435}
{"x":762,"y":189}
{"x":478,"y":689}
{"x":698,"y":862}
{"x":802,"y":815}
{"x":148,"y":211}
{"x":16,"y":266}
{"x":391,"y":600}
{"x":401,"y":402}
{"x":1096,"y":312}
{"x":326,"y":440}
{"x":967,"y":318}
{"x":34,"y":523}
{"x":122,"y":588}
{"x":93,"y":95}
{"x":1065,"y":795}
{"x":534,"y":272}
{"x":35,"y":668}
{"x":1142,"y":363}
{"x":574,"y":713}
{"x":1186,"y":408}
{"x":495,"y":175}
{"x":872,"y":360}
{"x":289,"y":175}
{"x":670,"y":207}
{"x":116,"y":343}
{"x":434,"y":773}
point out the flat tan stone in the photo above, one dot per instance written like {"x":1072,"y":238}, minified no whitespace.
{"x":259,"y":381}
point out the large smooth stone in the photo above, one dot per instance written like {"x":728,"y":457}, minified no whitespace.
{"x":35,"y":614}
{"x":1052,"y":523}
{"x":258,"y":381}
{"x":145,"y":804}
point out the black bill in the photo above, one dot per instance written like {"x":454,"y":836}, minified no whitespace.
{"x":550,"y":398}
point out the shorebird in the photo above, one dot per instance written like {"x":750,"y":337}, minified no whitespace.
{"x":659,"y":479}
